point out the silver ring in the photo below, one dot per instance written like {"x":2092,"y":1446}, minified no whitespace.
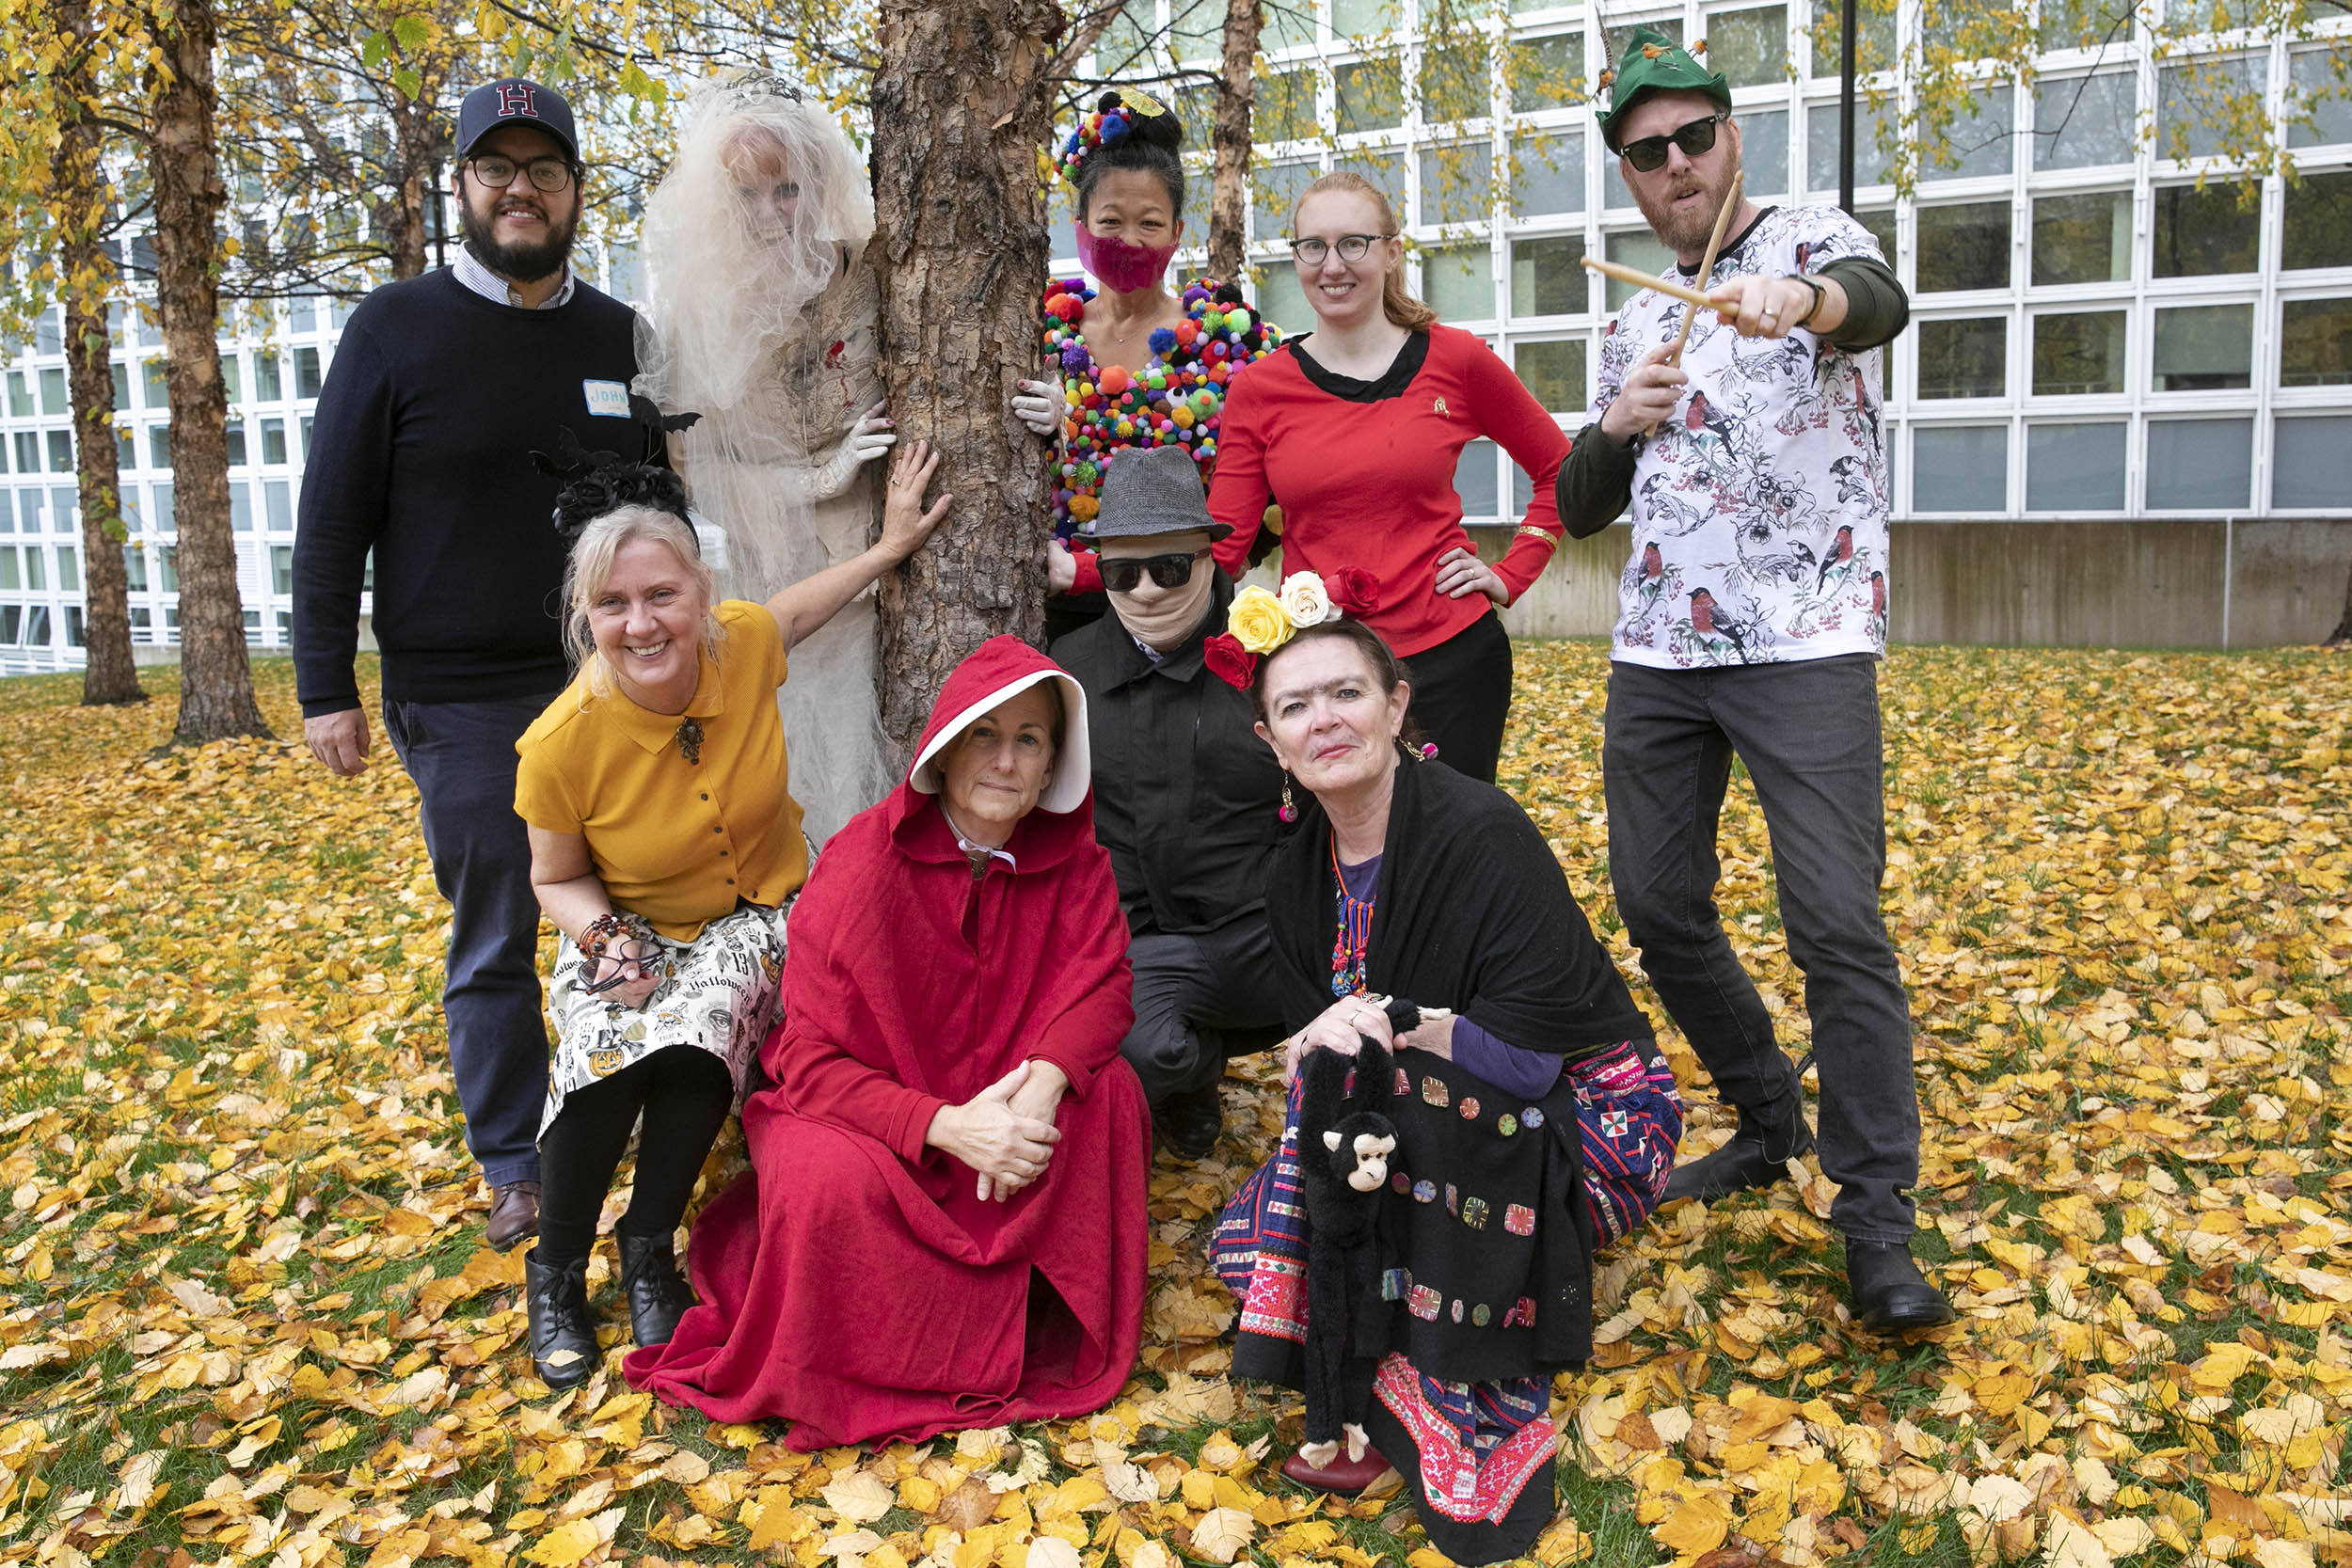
{"x":1772,"y":315}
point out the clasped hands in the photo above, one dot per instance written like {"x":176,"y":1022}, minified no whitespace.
{"x":1345,"y":1024}
{"x":1006,"y":1132}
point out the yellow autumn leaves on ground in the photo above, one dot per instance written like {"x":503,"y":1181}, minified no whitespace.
{"x":245,"y":1315}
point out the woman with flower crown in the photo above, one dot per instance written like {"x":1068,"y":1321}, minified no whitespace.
{"x":1535,"y":1118}
{"x":1132,"y":364}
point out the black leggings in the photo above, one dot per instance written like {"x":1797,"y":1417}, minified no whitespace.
{"x":684,"y":1092}
{"x":1462,"y":695}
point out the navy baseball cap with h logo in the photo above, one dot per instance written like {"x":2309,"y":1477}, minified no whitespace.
{"x":515,"y":101}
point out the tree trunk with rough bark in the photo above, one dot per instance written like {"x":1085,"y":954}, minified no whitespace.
{"x":110,"y":674}
{"x":418,"y":143}
{"x":2342,"y":636}
{"x":215,"y":679}
{"x":1236,"y":96}
{"x":961,"y":104}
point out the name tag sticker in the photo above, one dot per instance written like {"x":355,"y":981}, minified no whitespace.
{"x":607,"y":400}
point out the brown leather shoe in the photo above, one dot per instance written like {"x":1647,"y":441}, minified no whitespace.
{"x":513,"y":1214}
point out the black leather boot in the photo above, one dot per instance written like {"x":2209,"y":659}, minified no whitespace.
{"x":1190,"y":1122}
{"x":1890,"y":1294}
{"x":1755,"y":1156}
{"x":657,"y":1298}
{"x":562,"y":1331}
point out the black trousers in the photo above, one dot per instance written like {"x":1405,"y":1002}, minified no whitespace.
{"x":683,"y":1093}
{"x":1201,"y":998}
{"x":1810,"y":734}
{"x":1462,"y":695}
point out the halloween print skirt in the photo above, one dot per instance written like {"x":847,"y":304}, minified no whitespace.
{"x":725,"y":993}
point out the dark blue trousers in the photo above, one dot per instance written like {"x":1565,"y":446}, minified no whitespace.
{"x":461,"y":757}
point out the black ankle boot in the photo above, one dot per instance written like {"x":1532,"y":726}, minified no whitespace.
{"x":563,"y":1332}
{"x":657,"y":1298}
{"x":1755,"y":1156}
{"x":1890,"y":1294}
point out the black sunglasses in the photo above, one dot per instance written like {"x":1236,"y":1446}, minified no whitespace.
{"x":1125,"y":574}
{"x":1649,"y":155}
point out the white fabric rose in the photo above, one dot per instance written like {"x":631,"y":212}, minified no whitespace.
{"x":1305,"y":600}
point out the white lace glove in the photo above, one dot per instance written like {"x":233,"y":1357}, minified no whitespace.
{"x":1040,"y":405}
{"x":867,"y":440}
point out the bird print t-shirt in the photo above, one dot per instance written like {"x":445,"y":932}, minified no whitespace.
{"x":1759,"y":506}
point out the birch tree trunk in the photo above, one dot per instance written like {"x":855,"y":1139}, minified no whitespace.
{"x":963,"y":104}
{"x":1236,"y":96}
{"x":215,"y":679}
{"x":88,"y":274}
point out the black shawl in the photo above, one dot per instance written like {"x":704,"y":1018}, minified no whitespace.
{"x":1474,"y":916}
{"x":1487,"y":1248}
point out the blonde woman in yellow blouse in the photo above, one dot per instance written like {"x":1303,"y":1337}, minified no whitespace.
{"x":666,"y":848}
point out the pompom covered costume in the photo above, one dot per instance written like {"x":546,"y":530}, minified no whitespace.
{"x":1176,"y":399}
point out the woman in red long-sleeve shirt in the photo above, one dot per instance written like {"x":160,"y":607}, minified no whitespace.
{"x":1356,"y":433}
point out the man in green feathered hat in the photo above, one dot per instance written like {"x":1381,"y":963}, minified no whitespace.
{"x":1752,"y":615}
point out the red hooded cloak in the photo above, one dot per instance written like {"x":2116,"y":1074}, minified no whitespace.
{"x":853,"y":1282}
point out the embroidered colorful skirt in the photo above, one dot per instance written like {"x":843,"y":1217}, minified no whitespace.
{"x":1468,"y":1448}
{"x":723,"y":995}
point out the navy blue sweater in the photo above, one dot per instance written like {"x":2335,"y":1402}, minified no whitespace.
{"x":421,"y":451}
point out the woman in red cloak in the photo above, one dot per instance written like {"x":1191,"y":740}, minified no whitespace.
{"x":944,"y":1224}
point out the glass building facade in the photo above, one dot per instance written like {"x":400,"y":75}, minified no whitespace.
{"x":2094,"y":335}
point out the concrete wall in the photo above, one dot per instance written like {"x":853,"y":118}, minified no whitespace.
{"x":2135,"y":583}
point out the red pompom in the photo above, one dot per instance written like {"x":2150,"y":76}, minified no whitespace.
{"x":1228,"y":661}
{"x":1353,"y":589}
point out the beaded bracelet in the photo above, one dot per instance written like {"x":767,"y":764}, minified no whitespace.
{"x":606,"y":931}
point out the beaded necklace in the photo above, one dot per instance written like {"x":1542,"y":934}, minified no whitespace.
{"x":1175,"y":400}
{"x":1354,"y":936}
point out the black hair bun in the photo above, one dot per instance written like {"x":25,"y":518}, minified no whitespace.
{"x":1163,"y":129}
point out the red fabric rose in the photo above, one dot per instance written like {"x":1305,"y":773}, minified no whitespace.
{"x":1353,"y":589}
{"x":1228,"y":661}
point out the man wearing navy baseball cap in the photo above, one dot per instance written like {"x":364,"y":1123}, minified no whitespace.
{"x":441,"y":387}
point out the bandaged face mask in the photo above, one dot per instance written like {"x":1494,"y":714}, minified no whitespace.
{"x":1161,"y":617}
{"x":1121,"y":265}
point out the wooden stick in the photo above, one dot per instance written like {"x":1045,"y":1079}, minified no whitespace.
{"x":1707,"y":267}
{"x":1640,"y":280}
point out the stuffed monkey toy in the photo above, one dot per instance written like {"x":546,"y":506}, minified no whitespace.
{"x":1344,"y":1142}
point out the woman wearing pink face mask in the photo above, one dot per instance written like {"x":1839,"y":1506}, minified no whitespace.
{"x":1135,"y":364}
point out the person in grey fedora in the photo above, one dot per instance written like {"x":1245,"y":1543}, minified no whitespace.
{"x":1187,"y":796}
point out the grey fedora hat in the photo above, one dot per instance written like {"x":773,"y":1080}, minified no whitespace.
{"x":1154,"y":490}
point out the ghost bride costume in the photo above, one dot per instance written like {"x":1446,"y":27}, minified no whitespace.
{"x":759,"y":314}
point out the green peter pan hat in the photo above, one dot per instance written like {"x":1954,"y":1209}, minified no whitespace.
{"x":1655,"y":63}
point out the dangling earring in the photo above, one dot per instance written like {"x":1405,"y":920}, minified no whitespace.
{"x":1288,"y":813}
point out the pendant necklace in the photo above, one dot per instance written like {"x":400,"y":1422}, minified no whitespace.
{"x":1355,"y":933}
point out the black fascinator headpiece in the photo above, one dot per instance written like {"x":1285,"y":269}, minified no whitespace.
{"x":599,"y":483}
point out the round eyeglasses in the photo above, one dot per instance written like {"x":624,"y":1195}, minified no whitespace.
{"x":496,"y":172}
{"x":1351,"y":248}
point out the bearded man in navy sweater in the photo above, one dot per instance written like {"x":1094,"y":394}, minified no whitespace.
{"x":441,"y":387}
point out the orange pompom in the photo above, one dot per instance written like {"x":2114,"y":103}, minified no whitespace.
{"x":1114,"y":380}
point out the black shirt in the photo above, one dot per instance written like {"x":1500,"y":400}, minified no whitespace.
{"x":421,"y":451}
{"x":1186,"y":794}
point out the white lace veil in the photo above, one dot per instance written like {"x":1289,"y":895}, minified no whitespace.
{"x":730,"y":283}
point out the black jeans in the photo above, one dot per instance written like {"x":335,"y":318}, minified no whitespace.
{"x":461,"y":757}
{"x":1462,"y":695}
{"x":1200,"y":999}
{"x":1809,"y":735}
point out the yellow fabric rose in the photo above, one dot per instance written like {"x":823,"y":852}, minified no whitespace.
{"x":1256,"y":622}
